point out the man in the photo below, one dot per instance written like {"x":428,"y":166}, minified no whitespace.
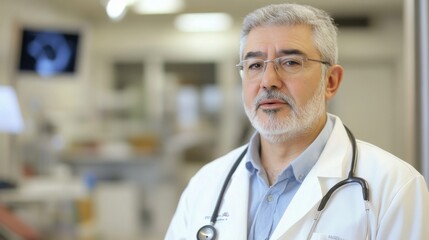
{"x":299,"y":152}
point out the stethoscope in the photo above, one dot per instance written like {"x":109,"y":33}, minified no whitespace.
{"x":208,"y":232}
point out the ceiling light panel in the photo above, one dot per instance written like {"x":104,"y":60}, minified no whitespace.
{"x":158,"y":6}
{"x":203,"y":22}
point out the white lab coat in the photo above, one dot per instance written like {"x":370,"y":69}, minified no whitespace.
{"x":399,"y":198}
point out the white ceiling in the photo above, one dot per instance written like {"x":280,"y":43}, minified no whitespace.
{"x":93,"y":11}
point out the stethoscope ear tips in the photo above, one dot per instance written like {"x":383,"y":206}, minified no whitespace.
{"x":207,"y":232}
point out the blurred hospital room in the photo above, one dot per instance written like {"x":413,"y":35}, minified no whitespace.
{"x":108,"y":107}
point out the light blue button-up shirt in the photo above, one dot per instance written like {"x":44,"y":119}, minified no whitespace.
{"x":268,"y":203}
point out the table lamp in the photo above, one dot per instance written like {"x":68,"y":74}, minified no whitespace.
{"x":10,"y":115}
{"x":10,"y":123}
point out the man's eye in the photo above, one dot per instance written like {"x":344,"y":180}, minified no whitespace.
{"x":290,"y":63}
{"x":255,"y":65}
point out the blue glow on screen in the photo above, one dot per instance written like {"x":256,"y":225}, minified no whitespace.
{"x":48,"y":52}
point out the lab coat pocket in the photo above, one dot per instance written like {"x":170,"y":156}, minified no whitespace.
{"x":324,"y":236}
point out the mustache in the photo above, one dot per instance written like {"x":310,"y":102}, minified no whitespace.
{"x":274,"y":94}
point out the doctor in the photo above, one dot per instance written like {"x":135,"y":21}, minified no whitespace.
{"x":289,"y":72}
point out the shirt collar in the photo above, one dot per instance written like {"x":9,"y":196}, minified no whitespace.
{"x":253,"y":162}
{"x":300,"y":166}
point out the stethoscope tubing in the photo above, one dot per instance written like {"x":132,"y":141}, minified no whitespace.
{"x":208,"y":232}
{"x":225,"y":184}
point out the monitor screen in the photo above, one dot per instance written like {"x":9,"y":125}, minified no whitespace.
{"x":48,"y":52}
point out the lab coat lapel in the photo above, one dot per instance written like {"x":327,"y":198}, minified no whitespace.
{"x":235,"y":206}
{"x":300,"y":205}
{"x":331,"y":164}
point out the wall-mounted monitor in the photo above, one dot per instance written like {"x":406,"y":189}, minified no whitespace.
{"x":48,"y":52}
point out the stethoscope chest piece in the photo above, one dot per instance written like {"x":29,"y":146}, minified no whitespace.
{"x":207,"y":232}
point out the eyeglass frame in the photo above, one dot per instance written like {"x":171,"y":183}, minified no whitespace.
{"x":277,"y":61}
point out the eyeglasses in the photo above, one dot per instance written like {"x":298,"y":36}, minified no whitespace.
{"x":253,"y":69}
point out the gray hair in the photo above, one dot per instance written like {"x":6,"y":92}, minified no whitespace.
{"x":324,"y":30}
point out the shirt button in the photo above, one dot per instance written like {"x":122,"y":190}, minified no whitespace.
{"x":270,"y":198}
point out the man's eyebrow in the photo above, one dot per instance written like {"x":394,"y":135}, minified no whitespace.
{"x":254,"y":54}
{"x":281,"y":52}
{"x":291,"y":52}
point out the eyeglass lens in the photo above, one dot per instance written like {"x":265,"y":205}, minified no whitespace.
{"x":254,"y":68}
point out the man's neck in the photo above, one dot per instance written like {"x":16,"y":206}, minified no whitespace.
{"x":275,"y":157}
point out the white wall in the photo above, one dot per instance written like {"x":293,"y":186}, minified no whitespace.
{"x":376,"y":90}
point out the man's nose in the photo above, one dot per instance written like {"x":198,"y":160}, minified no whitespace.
{"x":270,"y":76}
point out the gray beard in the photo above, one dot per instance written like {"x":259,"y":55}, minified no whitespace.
{"x":301,"y":120}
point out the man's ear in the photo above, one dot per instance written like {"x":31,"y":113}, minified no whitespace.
{"x":333,"y":81}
